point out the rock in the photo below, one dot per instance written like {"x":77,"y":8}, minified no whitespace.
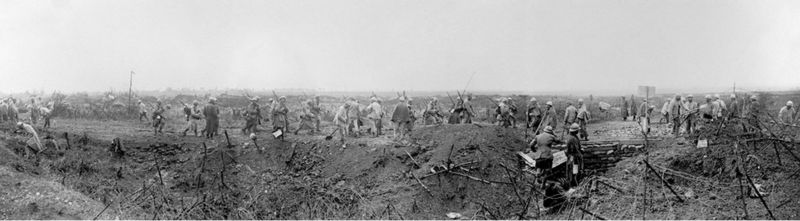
{"x":452,"y":215}
{"x":689,"y":194}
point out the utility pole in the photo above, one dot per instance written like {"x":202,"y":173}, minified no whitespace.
{"x":130,"y":93}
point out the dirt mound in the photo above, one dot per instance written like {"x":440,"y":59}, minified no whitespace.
{"x":27,"y":197}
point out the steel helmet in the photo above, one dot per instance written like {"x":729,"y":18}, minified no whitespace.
{"x":574,"y":127}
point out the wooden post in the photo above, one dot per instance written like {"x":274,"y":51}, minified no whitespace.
{"x":158,"y":168}
{"x":744,"y":198}
{"x":66,"y":136}
{"x":227,"y":138}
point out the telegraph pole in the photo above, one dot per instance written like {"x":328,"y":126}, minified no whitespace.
{"x":130,"y":93}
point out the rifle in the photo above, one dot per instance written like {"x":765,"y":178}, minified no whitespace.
{"x":451,"y":101}
{"x":547,"y":111}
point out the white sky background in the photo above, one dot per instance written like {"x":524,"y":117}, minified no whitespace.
{"x":379,"y":45}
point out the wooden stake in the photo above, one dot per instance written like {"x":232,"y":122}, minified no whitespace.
{"x":227,"y":138}
{"x":158,"y":168}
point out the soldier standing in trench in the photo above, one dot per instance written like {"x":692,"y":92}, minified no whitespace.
{"x":574,"y":154}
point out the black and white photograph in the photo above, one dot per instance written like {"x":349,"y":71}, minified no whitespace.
{"x":399,"y":110}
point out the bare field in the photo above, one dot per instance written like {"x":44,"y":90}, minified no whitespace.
{"x":307,"y":177}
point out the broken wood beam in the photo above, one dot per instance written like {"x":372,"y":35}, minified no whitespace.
{"x":412,"y":159}
{"x":758,"y":193}
{"x":477,"y":179}
{"x":422,"y":184}
{"x":662,"y":180}
{"x":448,"y":169}
{"x":592,"y":214}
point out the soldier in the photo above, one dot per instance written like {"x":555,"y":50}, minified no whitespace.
{"x":375,"y":114}
{"x":468,"y":112}
{"x":570,"y":114}
{"x":45,"y":112}
{"x":549,"y":115}
{"x":317,"y":111}
{"x":513,"y":112}
{"x":752,"y":114}
{"x":400,"y":117}
{"x":665,"y":112}
{"x":354,"y":114}
{"x":211,"y":112}
{"x":691,"y":109}
{"x":787,"y":113}
{"x":34,"y":141}
{"x":192,"y":118}
{"x":723,"y":107}
{"x":633,"y":108}
{"x":574,"y":154}
{"x":432,"y":112}
{"x":642,"y":111}
{"x":252,"y":114}
{"x":306,"y":117}
{"x":676,"y":111}
{"x":624,"y":109}
{"x":412,"y":117}
{"x":34,"y":109}
{"x":734,"y":108}
{"x":543,"y":144}
{"x":13,"y":112}
{"x":142,"y":111}
{"x":712,"y":109}
{"x":503,"y":113}
{"x":583,"y":119}
{"x":4,"y":110}
{"x":341,"y":121}
{"x":158,"y":119}
{"x":534,"y":113}
{"x":280,"y":119}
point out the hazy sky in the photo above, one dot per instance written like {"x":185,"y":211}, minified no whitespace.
{"x":379,"y":45}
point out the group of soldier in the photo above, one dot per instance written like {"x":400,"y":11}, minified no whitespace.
{"x":39,"y":111}
{"x":193,"y":115}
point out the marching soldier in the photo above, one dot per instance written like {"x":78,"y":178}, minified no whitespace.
{"x":280,"y":119}
{"x":252,"y":114}
{"x":211,"y":112}
{"x":158,"y":118}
